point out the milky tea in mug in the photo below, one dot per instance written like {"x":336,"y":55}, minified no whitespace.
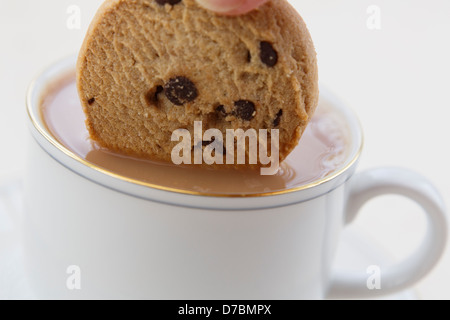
{"x":322,"y":149}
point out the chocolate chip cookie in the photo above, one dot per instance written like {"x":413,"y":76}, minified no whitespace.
{"x":149,"y":67}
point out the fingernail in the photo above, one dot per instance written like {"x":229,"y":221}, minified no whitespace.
{"x":221,"y":6}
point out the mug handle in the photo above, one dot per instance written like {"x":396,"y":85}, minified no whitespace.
{"x":397,"y":181}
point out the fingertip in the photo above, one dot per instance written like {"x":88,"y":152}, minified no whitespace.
{"x":246,"y":7}
{"x":221,"y":6}
{"x":231,"y":7}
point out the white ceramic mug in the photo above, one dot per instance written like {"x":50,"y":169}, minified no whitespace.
{"x":131,"y":240}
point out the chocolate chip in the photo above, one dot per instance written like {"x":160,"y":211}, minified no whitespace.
{"x":207,"y":143}
{"x":180,"y":90}
{"x":245,"y":109}
{"x":276,"y":121}
{"x":152,"y":94}
{"x":158,"y":90}
{"x":171,"y":2}
{"x":249,"y":56}
{"x":91,"y":101}
{"x":221,"y":111}
{"x":268,"y":54}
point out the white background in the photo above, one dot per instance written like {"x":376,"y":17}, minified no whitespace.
{"x":396,"y":79}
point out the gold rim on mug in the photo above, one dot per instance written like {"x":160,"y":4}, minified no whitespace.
{"x":49,"y":137}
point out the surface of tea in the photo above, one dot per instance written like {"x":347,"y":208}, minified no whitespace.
{"x":322,"y":150}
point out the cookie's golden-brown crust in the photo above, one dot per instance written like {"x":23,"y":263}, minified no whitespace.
{"x":135,"y":47}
